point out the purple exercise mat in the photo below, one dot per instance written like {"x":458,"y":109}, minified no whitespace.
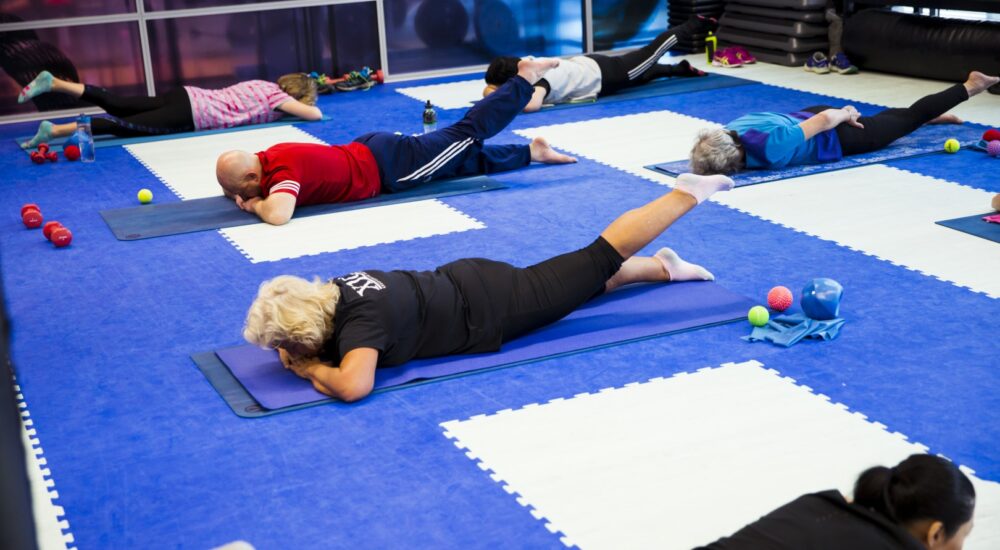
{"x":628,"y":314}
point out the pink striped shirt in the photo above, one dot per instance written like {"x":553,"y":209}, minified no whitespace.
{"x":250,"y":102}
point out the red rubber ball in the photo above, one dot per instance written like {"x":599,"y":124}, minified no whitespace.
{"x":62,"y":237}
{"x":779,"y":298}
{"x":71,"y":152}
{"x":991,"y":135}
{"x":49,"y":228}
{"x":32,"y":219}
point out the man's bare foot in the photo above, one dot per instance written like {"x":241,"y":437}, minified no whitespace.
{"x":541,"y":151}
{"x":946,"y":118}
{"x":532,"y":70}
{"x":977,"y":82}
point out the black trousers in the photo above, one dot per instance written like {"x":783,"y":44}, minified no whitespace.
{"x":640,"y":66}
{"x":140,"y":116}
{"x":891,"y":124}
{"x":524,"y":299}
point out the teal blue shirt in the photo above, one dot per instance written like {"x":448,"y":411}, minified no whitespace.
{"x":775,"y":140}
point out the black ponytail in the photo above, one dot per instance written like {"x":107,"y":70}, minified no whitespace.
{"x":920,"y":487}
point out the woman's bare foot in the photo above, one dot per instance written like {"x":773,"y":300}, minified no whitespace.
{"x":532,"y":70}
{"x":946,"y":118}
{"x":979,"y":82}
{"x":541,"y":151}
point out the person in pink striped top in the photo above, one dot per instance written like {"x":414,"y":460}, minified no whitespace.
{"x":180,"y":110}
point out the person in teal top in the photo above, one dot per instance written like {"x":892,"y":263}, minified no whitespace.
{"x":821,"y":133}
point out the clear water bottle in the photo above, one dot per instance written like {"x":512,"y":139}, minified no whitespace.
{"x":86,"y":138}
{"x":430,"y":118}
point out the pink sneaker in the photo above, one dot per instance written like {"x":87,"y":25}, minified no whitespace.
{"x":743,"y":55}
{"x":727,"y":57}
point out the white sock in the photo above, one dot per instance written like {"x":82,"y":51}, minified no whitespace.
{"x":680,"y":270}
{"x":702,"y":187}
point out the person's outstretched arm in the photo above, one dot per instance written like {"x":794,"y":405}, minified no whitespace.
{"x":276,"y":209}
{"x":537,"y":99}
{"x":352,"y":380}
{"x":301,"y":110}
{"x":830,"y":119}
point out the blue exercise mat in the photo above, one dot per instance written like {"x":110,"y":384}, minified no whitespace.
{"x":927,"y":140}
{"x":111,"y":141}
{"x":975,"y":225}
{"x":662,"y":87}
{"x":254,"y":383}
{"x":175,"y":218}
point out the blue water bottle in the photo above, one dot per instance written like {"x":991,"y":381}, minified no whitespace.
{"x":85,"y":137}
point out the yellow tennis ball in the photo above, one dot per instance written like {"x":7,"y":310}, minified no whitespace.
{"x":758,"y":316}
{"x":952,"y":145}
{"x":145,"y":196}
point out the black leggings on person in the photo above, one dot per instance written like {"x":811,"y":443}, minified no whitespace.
{"x":640,"y":66}
{"x":528,"y":298}
{"x":140,"y":116}
{"x":891,"y":124}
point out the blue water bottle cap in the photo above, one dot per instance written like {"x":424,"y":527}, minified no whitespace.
{"x":83,"y":118}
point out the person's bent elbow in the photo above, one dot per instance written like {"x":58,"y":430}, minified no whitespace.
{"x":315,"y":115}
{"x":276,"y":218}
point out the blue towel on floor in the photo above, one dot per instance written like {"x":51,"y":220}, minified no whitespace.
{"x":787,"y":330}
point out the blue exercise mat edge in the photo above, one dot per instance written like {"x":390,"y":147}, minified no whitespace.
{"x":969,"y":224}
{"x":56,"y":145}
{"x":220,"y":212}
{"x":243,"y":404}
{"x":659,"y":88}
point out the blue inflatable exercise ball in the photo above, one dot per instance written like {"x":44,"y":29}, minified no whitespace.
{"x":821,"y":299}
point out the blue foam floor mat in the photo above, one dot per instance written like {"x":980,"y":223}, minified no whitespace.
{"x":660,"y":88}
{"x":141,"y":448}
{"x":190,"y":216}
{"x":925,"y":141}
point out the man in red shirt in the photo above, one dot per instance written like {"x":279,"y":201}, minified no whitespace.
{"x":272,"y":183}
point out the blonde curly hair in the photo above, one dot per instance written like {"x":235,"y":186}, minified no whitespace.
{"x":300,"y":86}
{"x":292,"y":309}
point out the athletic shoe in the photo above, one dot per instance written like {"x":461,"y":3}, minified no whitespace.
{"x":744,"y":55}
{"x":41,"y":84}
{"x":818,"y":63}
{"x":355,"y":81}
{"x":841,"y":65}
{"x":726,"y":57}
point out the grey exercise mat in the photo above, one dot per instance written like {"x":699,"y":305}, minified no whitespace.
{"x":788,"y":4}
{"x":815,"y":17}
{"x":784,"y":27}
{"x":773,"y":42}
{"x":175,"y":218}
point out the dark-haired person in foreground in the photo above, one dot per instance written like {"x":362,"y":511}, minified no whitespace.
{"x":923,"y":503}
{"x":586,"y":77}
{"x":272,"y":183}
{"x":335,"y":333}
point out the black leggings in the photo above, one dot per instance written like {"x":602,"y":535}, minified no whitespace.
{"x":528,"y":298}
{"x":891,"y":124}
{"x":140,"y":116}
{"x":640,"y":66}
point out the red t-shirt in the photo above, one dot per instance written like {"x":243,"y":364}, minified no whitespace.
{"x":319,"y":174}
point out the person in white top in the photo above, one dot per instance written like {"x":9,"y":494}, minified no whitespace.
{"x":587,"y":77}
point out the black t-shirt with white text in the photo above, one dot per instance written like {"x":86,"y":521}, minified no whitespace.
{"x":402,"y":314}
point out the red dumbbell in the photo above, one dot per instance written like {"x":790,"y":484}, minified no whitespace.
{"x":49,"y":228}
{"x":37,"y":157}
{"x":32,"y":218}
{"x":61,"y":237}
{"x":52,"y":156}
{"x":29,"y":206}
{"x":43,"y":148}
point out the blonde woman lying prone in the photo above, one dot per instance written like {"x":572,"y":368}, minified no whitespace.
{"x":335,"y":333}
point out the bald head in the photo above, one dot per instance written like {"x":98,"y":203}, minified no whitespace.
{"x":238,"y":173}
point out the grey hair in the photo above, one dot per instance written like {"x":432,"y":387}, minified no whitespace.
{"x":715,"y":152}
